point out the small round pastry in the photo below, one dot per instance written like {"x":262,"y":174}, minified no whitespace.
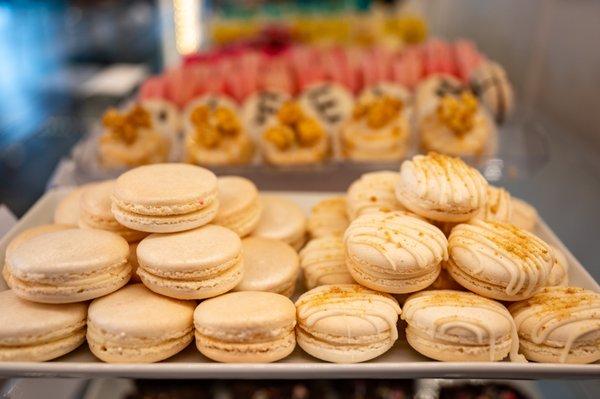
{"x":430,"y":91}
{"x":490,"y":83}
{"x":95,"y":212}
{"x":378,"y":130}
{"x":459,"y":127}
{"x":135,"y":325}
{"x":259,"y":107}
{"x":269,"y":265}
{"x":457,"y":326}
{"x":393,"y":252}
{"x":166,"y":118}
{"x":346,"y":323}
{"x":67,"y":266}
{"x":559,"y":275}
{"x":27,"y":235}
{"x":67,"y":210}
{"x":524,"y":215}
{"x":36,"y":332}
{"x":559,"y":325}
{"x":165,"y":198}
{"x":387,"y":89}
{"x":323,"y":262}
{"x":130,"y":139}
{"x":293,"y":137}
{"x":193,"y":264}
{"x":281,"y":219}
{"x":239,"y":205}
{"x":441,"y":188}
{"x":498,"y":260}
{"x":246,"y":327}
{"x":328,"y":218}
{"x":330,"y":103}
{"x":498,"y":206}
{"x":214,"y":134}
{"x":373,"y":192}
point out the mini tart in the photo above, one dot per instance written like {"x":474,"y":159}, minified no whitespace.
{"x":373,"y":192}
{"x":346,"y":323}
{"x":490,"y":83}
{"x":239,"y":205}
{"x":458,"y":128}
{"x":524,"y":215}
{"x":294,"y":136}
{"x":378,"y":130}
{"x":498,"y":260}
{"x":459,"y":326}
{"x":129,"y":139}
{"x":214,"y":134}
{"x":559,"y":275}
{"x":323,"y":262}
{"x":441,"y":188}
{"x":393,"y":252}
{"x":328,"y":218}
{"x":559,"y":325}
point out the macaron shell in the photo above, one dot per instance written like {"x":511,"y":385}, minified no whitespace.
{"x":328,"y":217}
{"x":31,"y":233}
{"x":67,"y":210}
{"x":323,"y":262}
{"x":269,"y":265}
{"x":281,"y":219}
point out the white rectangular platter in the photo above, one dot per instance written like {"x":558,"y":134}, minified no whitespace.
{"x":399,"y":362}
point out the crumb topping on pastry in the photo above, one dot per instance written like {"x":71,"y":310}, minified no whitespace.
{"x":379,"y":111}
{"x":458,"y":112}
{"x":124,"y":126}
{"x":213,"y":125}
{"x":294,"y":127}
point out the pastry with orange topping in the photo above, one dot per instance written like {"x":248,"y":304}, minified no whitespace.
{"x":377,"y":130}
{"x":131,"y":139}
{"x":214,"y":134}
{"x":458,"y":127}
{"x":294,"y":136}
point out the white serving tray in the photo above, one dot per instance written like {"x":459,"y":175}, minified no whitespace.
{"x":399,"y":362}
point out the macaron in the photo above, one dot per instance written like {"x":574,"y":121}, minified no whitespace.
{"x":281,"y":219}
{"x":498,"y":205}
{"x":95,"y":212}
{"x":328,"y":218}
{"x":36,"y":332}
{"x":165,"y":198}
{"x":457,"y":326}
{"x":25,"y":235}
{"x":373,"y":192}
{"x":346,"y":323}
{"x":67,"y":210}
{"x":246,"y":327}
{"x":559,"y":275}
{"x":136,"y":325}
{"x":498,"y":260}
{"x":559,"y":325}
{"x":239,"y":205}
{"x":70,"y":265}
{"x":193,"y":264}
{"x":269,"y":265}
{"x":524,"y":215}
{"x":323,"y":262}
{"x":441,"y":188}
{"x":393,"y":252}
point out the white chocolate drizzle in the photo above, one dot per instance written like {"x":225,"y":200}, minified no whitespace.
{"x":324,"y":257}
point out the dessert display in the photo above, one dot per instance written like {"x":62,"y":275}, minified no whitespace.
{"x":346,"y":323}
{"x":490,"y":83}
{"x":294,"y":136}
{"x":331,"y":103}
{"x":214,"y":134}
{"x":223,"y":325}
{"x":193,"y":264}
{"x":131,"y":139}
{"x":328,"y":218}
{"x":374,"y":191}
{"x":36,"y":332}
{"x":281,"y":219}
{"x":455,"y":326}
{"x":135,"y":325}
{"x":498,"y":206}
{"x":323,"y":262}
{"x":394,"y":252}
{"x":165,"y":198}
{"x":239,"y":205}
{"x":258,"y":109}
{"x":269,"y":265}
{"x":378,"y":129}
{"x":559,"y":325}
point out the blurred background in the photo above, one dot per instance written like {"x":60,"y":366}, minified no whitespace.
{"x":62,"y":63}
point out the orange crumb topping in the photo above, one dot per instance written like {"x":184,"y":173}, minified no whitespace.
{"x":124,"y":126}
{"x":379,"y":111}
{"x":294,"y":127}
{"x":212,"y":125}
{"x":458,"y":113}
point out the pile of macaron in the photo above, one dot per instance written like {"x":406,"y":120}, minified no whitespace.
{"x":166,"y":254}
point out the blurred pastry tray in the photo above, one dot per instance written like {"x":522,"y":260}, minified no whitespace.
{"x":400,"y":362}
